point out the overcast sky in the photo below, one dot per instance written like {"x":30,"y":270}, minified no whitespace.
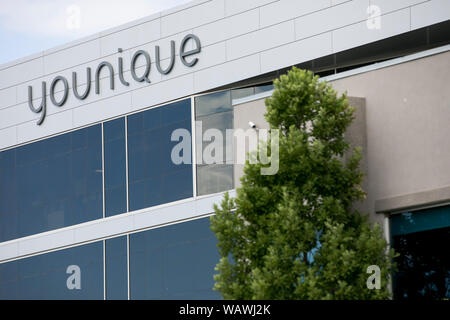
{"x":30,"y":26}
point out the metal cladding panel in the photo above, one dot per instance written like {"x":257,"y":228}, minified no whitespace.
{"x":238,"y":40}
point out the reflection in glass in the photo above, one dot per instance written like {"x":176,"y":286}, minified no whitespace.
{"x":423,"y":265}
{"x":174,"y":262}
{"x":422,"y":220}
{"x":46,"y":276}
{"x":263,"y":88}
{"x":214,"y":111}
{"x":219,"y":121}
{"x":242,"y":93}
{"x":214,"y":178}
{"x":213,"y":103}
{"x":51,"y":184}
{"x":115,"y":167}
{"x":116,"y":268}
{"x":250,"y":91}
{"x":153,"y":177}
{"x":421,"y":239}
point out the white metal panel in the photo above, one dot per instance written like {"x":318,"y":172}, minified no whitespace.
{"x":237,"y":6}
{"x":261,"y":40}
{"x":331,"y":18}
{"x":131,"y":37}
{"x":192,"y":17}
{"x":102,"y":109}
{"x":103,"y":228}
{"x":335,"y":2}
{"x":207,"y":18}
{"x":21,"y":72}
{"x":35,"y":243}
{"x":164,"y":48}
{"x":80,"y":70}
{"x":18,"y":114}
{"x":288,"y":9}
{"x":164,"y":215}
{"x":22,"y":88}
{"x":358,"y":34}
{"x":162,"y":92}
{"x":226,"y":73}
{"x":296,"y":52}
{"x":9,"y":250}
{"x":8,"y":97}
{"x":54,"y":124}
{"x":387,"y":6}
{"x":429,"y":13}
{"x":8,"y":137}
{"x":229,"y":27}
{"x":210,"y":56}
{"x":182,"y":7}
{"x":72,"y":56}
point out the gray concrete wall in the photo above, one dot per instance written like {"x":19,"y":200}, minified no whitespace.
{"x":243,"y":113}
{"x":402,"y":124}
{"x":407,"y":118}
{"x":356,"y":133}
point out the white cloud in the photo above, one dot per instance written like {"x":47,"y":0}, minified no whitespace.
{"x":75,"y":18}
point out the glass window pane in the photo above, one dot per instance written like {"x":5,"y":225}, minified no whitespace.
{"x":214,"y":173}
{"x":51,"y":184}
{"x":410,"y":222}
{"x":213,"y":103}
{"x":263,"y":88}
{"x":153,"y":177}
{"x":242,"y":93}
{"x":174,"y":262}
{"x":423,"y":267}
{"x":214,"y":178}
{"x":116,"y":268}
{"x":220,"y":121}
{"x":75,"y":273}
{"x":115,"y":167}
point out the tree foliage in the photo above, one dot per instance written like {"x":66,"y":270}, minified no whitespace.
{"x":295,"y":234}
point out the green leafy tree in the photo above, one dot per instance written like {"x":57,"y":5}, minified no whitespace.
{"x":296,"y":234}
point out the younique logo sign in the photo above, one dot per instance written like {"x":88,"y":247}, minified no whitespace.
{"x":141,"y":77}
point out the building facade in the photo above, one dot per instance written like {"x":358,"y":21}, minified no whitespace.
{"x":105,"y":190}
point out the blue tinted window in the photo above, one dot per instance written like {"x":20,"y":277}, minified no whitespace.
{"x":116,"y":268}
{"x":46,"y":276}
{"x":115,"y":167}
{"x":153,"y":177}
{"x":174,"y":262}
{"x":51,"y":184}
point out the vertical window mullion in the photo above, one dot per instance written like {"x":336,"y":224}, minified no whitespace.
{"x":126,"y":164}
{"x":103,"y":171}
{"x":193,"y":149}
